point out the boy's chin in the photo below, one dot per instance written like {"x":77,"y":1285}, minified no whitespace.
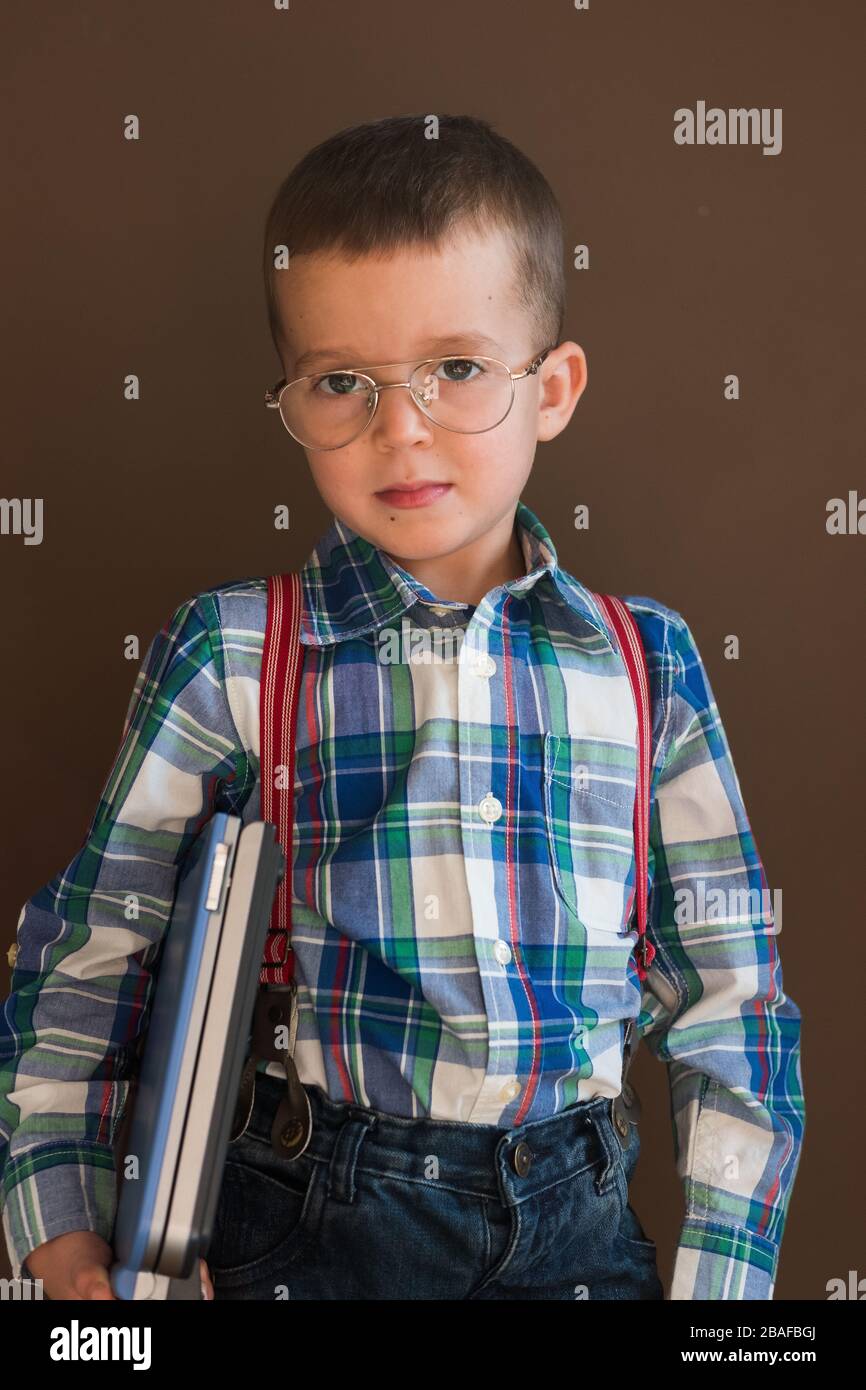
{"x":416,"y":539}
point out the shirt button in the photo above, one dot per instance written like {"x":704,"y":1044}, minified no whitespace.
{"x":490,"y":808}
{"x":502,"y":951}
{"x":511,"y":1091}
{"x":439,"y":610}
{"x":484,"y":665}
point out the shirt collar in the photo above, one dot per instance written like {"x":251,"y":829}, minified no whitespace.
{"x":352,"y":587}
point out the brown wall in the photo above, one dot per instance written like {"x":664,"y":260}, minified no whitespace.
{"x":144,"y":257}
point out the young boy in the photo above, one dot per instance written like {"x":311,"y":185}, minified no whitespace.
{"x":463,"y":847}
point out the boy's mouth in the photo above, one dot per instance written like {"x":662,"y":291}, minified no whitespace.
{"x":417,"y":494}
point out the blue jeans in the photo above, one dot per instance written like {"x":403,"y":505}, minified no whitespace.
{"x":380,"y":1207}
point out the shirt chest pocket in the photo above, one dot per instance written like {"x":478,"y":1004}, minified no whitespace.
{"x":589,"y":791}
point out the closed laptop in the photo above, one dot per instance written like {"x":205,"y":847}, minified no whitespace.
{"x":192,"y":1055}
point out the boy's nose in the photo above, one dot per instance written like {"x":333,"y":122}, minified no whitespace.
{"x":398,"y":416}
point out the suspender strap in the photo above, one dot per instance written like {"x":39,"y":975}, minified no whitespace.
{"x":282,"y":662}
{"x":276,"y":1008}
{"x":628,"y":638}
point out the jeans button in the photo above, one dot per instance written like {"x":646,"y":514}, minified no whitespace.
{"x":521,"y":1158}
{"x":631,"y":1100}
{"x":620,"y":1121}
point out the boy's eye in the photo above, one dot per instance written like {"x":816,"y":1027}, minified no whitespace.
{"x":458,"y":368}
{"x":338,"y":384}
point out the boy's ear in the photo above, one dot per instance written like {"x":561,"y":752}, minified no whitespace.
{"x":563,"y":380}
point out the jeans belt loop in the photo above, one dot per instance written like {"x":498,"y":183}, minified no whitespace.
{"x":341,"y":1170}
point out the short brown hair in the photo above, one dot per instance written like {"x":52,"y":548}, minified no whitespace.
{"x":384,"y":185}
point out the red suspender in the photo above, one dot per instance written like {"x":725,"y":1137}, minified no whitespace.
{"x":631,"y":649}
{"x":282,"y":661}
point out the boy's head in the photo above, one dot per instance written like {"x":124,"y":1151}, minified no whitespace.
{"x":404,"y":248}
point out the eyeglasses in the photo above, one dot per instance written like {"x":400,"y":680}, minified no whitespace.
{"x":329,"y":410}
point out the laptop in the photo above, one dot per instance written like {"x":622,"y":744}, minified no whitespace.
{"x":192,"y":1055}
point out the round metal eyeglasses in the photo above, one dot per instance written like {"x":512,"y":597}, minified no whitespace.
{"x":468,"y":394}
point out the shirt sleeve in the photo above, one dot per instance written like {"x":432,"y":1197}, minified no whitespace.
{"x":89,"y":939}
{"x":719,"y":1017}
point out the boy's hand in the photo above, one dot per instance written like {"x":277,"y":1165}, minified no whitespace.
{"x":76,"y":1264}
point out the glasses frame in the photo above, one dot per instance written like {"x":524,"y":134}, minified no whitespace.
{"x":274,"y":395}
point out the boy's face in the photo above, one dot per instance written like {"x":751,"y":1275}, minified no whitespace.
{"x":395,"y":308}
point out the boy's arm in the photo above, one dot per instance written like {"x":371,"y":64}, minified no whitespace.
{"x":88,"y":940}
{"x":719,"y":1017}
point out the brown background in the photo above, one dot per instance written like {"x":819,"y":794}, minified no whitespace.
{"x":144,"y":257}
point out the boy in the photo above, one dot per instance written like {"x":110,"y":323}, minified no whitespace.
{"x":463,"y":855}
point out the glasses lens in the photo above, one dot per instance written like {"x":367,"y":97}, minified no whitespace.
{"x":328,"y":411}
{"x":469,"y":394}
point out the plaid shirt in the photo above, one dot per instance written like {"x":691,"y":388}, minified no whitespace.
{"x":462,"y":865}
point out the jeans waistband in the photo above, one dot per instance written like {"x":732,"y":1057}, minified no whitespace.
{"x":484,"y":1160}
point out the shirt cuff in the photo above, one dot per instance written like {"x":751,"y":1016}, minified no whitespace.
{"x":71,"y":1189}
{"x":719,"y":1262}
